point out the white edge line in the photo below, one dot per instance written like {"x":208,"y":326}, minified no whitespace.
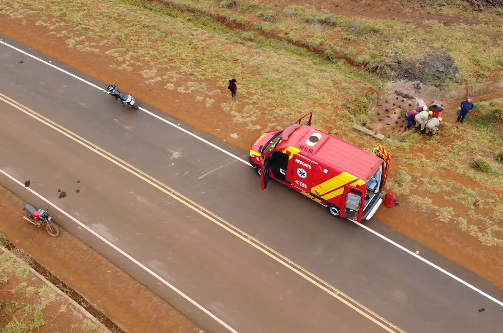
{"x":142,"y":109}
{"x":200,"y":307}
{"x":430,"y":263}
{"x":245,"y":162}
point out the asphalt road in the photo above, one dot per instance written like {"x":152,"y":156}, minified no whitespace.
{"x":243,"y":286}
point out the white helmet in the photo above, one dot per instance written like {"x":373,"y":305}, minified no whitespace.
{"x":425,"y":108}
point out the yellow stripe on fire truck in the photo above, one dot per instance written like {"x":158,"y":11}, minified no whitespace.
{"x":254,"y":153}
{"x":259,"y":138}
{"x":339,"y":191}
{"x":311,"y":197}
{"x":334,"y":186}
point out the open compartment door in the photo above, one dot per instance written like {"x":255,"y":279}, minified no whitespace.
{"x":383,"y":154}
{"x":306,"y":119}
{"x":353,"y":202}
{"x":264,"y":171}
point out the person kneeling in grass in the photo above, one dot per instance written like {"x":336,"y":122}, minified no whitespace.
{"x":412,"y":114}
{"x":432,"y":125}
{"x":421,"y":118}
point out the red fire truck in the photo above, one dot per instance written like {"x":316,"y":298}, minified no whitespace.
{"x":337,"y":175}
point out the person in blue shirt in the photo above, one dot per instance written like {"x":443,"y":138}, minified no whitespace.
{"x":466,"y":106}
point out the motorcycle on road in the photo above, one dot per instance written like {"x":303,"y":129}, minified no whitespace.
{"x":41,"y":218}
{"x":124,"y":98}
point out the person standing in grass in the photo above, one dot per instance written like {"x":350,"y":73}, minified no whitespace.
{"x":233,"y":88}
{"x":412,"y":114}
{"x":466,"y":106}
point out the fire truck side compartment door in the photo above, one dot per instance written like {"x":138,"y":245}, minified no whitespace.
{"x":353,"y":201}
{"x":308,"y":117}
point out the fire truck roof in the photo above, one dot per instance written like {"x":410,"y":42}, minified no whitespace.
{"x":318,"y":145}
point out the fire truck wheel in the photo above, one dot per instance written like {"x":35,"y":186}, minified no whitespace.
{"x":334,"y":211}
{"x":258,"y":171}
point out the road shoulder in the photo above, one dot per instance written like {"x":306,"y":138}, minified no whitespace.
{"x":126,"y":302}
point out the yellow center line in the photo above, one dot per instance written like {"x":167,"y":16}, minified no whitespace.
{"x":294,"y":267}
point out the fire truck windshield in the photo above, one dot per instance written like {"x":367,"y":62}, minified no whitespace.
{"x":272,"y":144}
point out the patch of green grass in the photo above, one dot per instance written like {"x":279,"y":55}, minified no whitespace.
{"x":485,"y":237}
{"x":400,"y":183}
{"x":405,"y":142}
{"x":444,"y":214}
{"x":462,"y":223}
{"x":469,"y":197}
{"x":499,"y":157}
{"x":3,"y":240}
{"x":436,"y":185}
{"x":229,"y":4}
{"x":209,"y":102}
{"x":170,"y":86}
{"x":268,"y":15}
{"x":424,"y":204}
{"x":481,"y":165}
{"x":421,"y":162}
{"x":88,"y":326}
{"x":486,"y":114}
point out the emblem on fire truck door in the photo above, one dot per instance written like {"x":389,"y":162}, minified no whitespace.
{"x":301,"y":173}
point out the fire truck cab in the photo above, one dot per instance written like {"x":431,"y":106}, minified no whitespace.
{"x":337,"y":175}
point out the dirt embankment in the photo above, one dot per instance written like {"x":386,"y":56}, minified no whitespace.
{"x":117,"y":300}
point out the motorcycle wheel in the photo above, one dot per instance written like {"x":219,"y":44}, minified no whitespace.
{"x":52,"y":230}
{"x":136,"y":107}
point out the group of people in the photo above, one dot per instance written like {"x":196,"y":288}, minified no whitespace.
{"x":421,"y":115}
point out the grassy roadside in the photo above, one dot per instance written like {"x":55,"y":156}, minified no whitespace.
{"x":376,"y":45}
{"x":29,"y":305}
{"x":466,"y":174}
{"x":192,"y":51}
{"x":457,"y":175}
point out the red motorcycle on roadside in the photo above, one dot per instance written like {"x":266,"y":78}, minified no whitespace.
{"x":41,"y":218}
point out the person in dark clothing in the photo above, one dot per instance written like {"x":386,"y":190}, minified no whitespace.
{"x":466,"y":106}
{"x":436,"y":108}
{"x":233,"y":88}
{"x":412,"y":114}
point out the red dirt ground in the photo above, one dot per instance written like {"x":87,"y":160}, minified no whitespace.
{"x":59,"y":316}
{"x":445,"y":238}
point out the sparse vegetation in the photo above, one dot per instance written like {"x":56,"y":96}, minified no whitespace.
{"x":444,"y":214}
{"x":499,"y":157}
{"x":27,"y":302}
{"x":389,"y":43}
{"x":469,"y":197}
{"x":400,"y":183}
{"x":481,"y":165}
